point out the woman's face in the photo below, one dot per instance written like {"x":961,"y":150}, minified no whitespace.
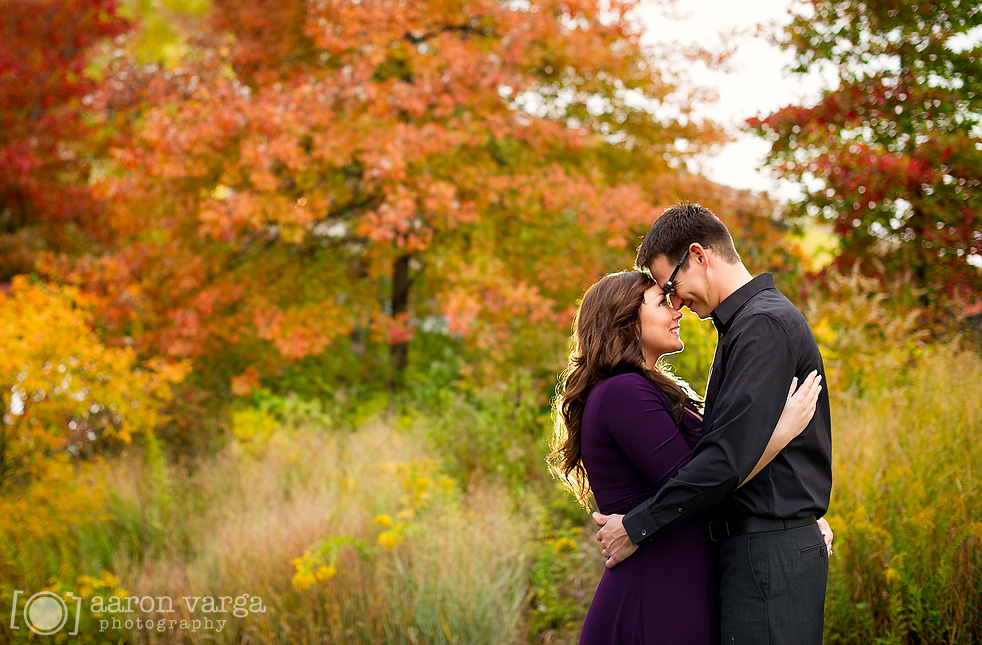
{"x":659,"y":327}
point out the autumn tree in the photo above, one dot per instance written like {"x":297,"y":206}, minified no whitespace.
{"x":62,"y":391}
{"x":46,"y":132}
{"x":892,"y":155}
{"x":344,"y":176}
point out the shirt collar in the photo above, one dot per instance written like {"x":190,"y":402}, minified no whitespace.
{"x":723,"y":314}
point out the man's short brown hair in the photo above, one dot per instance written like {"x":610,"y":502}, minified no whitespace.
{"x":680,"y":226}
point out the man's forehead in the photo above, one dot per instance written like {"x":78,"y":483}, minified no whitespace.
{"x":660,"y":268}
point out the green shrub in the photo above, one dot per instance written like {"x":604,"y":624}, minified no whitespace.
{"x":565,"y":569}
{"x":498,"y":431}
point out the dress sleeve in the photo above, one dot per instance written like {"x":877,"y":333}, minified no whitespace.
{"x":760,"y":365}
{"x":635,"y":413}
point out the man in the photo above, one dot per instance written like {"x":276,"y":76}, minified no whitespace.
{"x":773,"y":562}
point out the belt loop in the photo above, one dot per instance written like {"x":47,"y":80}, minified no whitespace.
{"x":718,"y":530}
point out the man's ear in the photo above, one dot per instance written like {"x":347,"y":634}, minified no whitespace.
{"x":698,"y":253}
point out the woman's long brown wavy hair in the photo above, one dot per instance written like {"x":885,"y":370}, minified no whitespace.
{"x":606,"y":342}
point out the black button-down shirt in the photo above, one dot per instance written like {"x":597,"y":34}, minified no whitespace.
{"x":763,"y":342}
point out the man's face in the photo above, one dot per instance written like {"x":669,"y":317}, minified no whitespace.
{"x":689,"y":284}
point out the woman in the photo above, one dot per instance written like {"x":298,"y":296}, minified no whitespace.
{"x":624,"y":427}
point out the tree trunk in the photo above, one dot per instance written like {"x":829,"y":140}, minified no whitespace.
{"x":399,"y":356}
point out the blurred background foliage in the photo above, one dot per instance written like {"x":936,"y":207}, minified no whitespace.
{"x":286,"y":286}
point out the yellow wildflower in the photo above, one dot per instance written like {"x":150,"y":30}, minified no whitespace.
{"x":303,"y":579}
{"x":564,"y":544}
{"x":446,"y":484}
{"x":391,"y":539}
{"x":86,"y":585}
{"x":109,"y":580}
{"x":325,"y":572}
{"x":384,"y":521}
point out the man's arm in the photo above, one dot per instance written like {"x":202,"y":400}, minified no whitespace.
{"x":759,"y":364}
{"x":798,"y":412}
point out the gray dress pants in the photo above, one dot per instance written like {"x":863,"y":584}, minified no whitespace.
{"x":772,"y":587}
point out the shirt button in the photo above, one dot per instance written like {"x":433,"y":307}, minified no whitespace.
{"x":680,"y":509}
{"x":644,"y":532}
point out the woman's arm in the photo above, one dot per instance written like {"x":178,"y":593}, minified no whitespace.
{"x":798,"y":411}
{"x":635,"y":414}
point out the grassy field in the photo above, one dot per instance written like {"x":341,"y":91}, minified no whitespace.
{"x":391,"y":532}
{"x":907,"y":507}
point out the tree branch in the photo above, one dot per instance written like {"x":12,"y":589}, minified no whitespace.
{"x":465,"y":29}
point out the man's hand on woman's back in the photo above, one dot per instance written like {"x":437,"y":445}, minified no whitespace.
{"x":617,"y":545}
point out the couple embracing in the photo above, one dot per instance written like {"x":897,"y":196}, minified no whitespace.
{"x":710,"y":514}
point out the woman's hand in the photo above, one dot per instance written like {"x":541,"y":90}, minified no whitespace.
{"x":798,"y":411}
{"x":799,"y":408}
{"x":826,"y":533}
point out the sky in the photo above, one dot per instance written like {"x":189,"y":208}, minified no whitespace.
{"x":757,"y":82}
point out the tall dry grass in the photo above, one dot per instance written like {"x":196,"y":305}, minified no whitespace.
{"x":907,"y":505}
{"x":242,"y":522}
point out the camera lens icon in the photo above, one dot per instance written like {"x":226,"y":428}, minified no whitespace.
{"x":45,"y":613}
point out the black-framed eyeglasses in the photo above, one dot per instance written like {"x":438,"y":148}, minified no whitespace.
{"x":669,"y":286}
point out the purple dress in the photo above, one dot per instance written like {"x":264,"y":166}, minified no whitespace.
{"x":664,"y":592}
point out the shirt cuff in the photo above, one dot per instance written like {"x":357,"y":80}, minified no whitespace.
{"x":639,"y":524}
